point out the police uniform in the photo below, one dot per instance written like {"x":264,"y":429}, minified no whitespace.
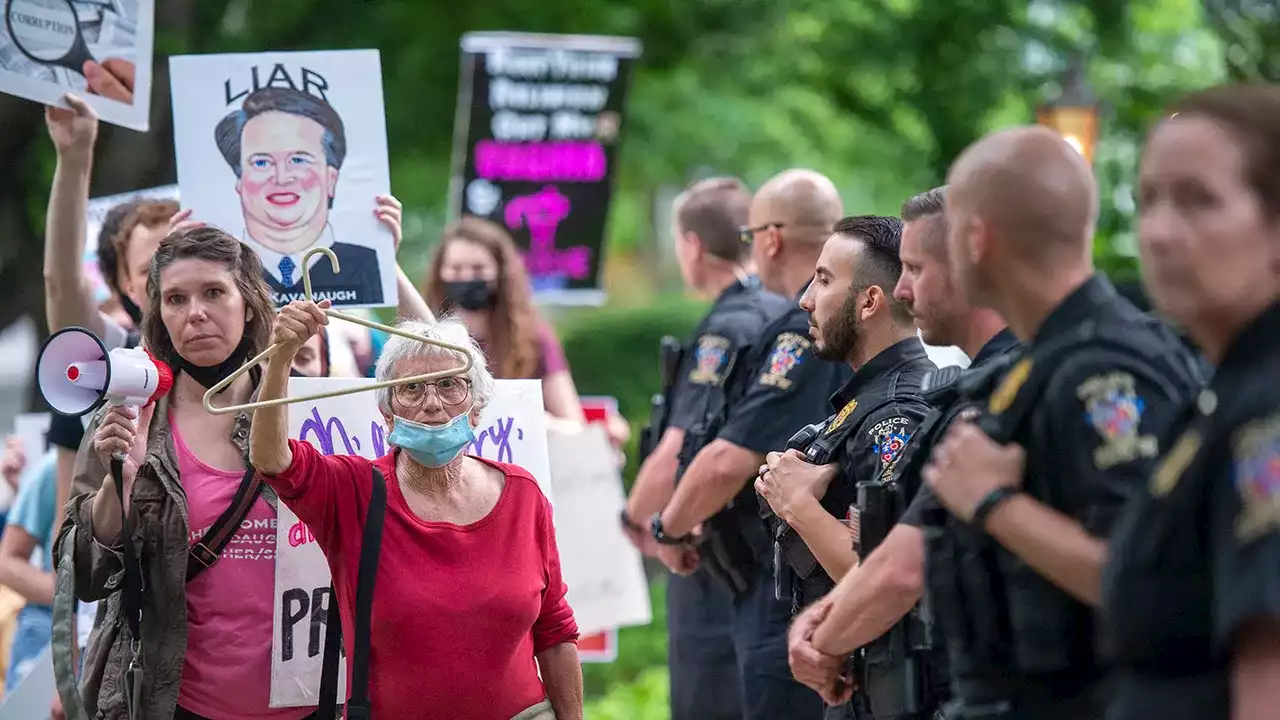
{"x":1087,"y":399}
{"x":701,"y":653}
{"x":1198,"y":553}
{"x":777,"y":387}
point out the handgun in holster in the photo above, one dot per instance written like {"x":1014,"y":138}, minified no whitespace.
{"x":671,"y":355}
{"x":801,"y":441}
{"x":727,"y":552}
{"x":793,"y":563}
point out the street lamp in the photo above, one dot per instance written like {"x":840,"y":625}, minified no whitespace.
{"x":1074,"y":115}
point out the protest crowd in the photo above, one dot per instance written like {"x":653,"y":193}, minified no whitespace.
{"x":1079,"y":521}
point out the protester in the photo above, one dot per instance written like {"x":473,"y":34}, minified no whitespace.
{"x":469,"y":589}
{"x":476,"y":272}
{"x":26,"y":565}
{"x":1191,"y":591}
{"x":208,"y":310}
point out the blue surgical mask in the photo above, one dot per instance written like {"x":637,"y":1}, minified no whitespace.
{"x":433,"y":446}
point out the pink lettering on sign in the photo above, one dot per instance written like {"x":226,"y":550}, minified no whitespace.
{"x":542,"y":213}
{"x":300,"y":534}
{"x":541,"y":162}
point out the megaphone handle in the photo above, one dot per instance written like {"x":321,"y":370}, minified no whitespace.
{"x":121,"y":456}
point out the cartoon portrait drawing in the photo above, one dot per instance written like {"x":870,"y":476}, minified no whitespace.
{"x":286,"y":148}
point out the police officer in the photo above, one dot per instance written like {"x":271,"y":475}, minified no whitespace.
{"x":1191,"y":593}
{"x":775,"y":388}
{"x":854,"y":318}
{"x":1067,"y":436}
{"x":713,"y":262}
{"x":878,"y":599}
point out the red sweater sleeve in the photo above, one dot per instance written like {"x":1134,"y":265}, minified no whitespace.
{"x":555,"y":624}
{"x":317,"y":487}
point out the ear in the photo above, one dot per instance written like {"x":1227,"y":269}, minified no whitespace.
{"x":389,"y":420}
{"x":474,"y":417}
{"x":874,"y":302}
{"x":248,"y":314}
{"x":331,"y":179}
{"x":772,"y":242}
{"x":238,"y":186}
{"x":695,"y":244}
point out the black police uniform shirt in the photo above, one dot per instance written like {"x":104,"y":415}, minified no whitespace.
{"x":923,"y":500}
{"x":1198,"y":553}
{"x":716,"y":346}
{"x":785,"y":386}
{"x":1091,"y":441}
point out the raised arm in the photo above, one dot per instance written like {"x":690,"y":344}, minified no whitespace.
{"x":269,"y":435}
{"x":68,"y":294}
{"x":411,"y":305}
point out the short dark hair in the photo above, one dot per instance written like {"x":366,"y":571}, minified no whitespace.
{"x":931,"y":207}
{"x":285,"y":100}
{"x":881,"y":239}
{"x":715,"y":210}
{"x":142,"y":213}
{"x":1249,"y":112}
{"x":209,"y":243}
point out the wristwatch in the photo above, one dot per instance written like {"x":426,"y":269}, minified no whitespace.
{"x":661,"y":535}
{"x":988,"y":505}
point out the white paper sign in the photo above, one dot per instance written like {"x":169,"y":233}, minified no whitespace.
{"x":604,"y":572}
{"x":288,"y":152}
{"x":512,"y":429}
{"x":101,"y":51}
{"x":33,"y":430}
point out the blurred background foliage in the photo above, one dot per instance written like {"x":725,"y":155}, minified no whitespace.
{"x":881,"y":95}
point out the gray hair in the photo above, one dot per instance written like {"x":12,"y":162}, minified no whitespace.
{"x":447,"y":329}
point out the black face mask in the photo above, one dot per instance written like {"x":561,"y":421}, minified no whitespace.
{"x":470,"y":294}
{"x":214,"y":374}
{"x":133,"y":311}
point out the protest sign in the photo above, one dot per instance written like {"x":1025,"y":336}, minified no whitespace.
{"x":288,"y":151}
{"x":95,"y":214}
{"x":512,"y":429}
{"x":605,"y":574}
{"x":33,"y":430}
{"x":539,"y":119}
{"x":100,"y":51}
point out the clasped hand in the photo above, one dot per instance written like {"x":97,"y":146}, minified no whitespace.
{"x":967,"y":465}
{"x":824,"y":674}
{"x":787,"y":482}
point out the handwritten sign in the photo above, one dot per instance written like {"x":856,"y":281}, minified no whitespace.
{"x":512,"y":429}
{"x":605,"y":574}
{"x":540,"y":120}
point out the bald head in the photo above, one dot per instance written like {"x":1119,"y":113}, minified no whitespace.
{"x":805,"y":202}
{"x":1034,"y":192}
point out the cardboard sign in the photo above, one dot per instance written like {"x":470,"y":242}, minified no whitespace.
{"x":535,"y":148}
{"x":512,"y":429}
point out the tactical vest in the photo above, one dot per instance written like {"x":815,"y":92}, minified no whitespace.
{"x":1002,"y":621}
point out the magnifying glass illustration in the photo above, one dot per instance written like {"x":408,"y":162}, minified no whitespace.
{"x":47,"y":32}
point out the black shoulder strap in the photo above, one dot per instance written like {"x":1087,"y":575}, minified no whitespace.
{"x":205,"y":553}
{"x":370,"y":550}
{"x":131,"y":584}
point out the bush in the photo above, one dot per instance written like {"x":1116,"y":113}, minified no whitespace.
{"x":647,"y":698}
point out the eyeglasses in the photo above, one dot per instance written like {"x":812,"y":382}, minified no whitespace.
{"x":451,"y":391}
{"x":748,"y":234}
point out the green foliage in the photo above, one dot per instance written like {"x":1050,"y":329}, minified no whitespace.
{"x":639,"y":649}
{"x":647,"y":698}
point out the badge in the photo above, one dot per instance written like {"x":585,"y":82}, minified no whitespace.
{"x":1256,"y":467}
{"x":1003,"y":397}
{"x":841,"y":416}
{"x":890,"y":437}
{"x":709,"y":360}
{"x":787,"y":353}
{"x":1112,"y":407}
{"x":1175,"y":462}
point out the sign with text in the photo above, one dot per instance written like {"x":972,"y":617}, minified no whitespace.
{"x":288,"y":152}
{"x":512,"y":429}
{"x":101,"y":51}
{"x":539,"y":120}
{"x":605,"y":574}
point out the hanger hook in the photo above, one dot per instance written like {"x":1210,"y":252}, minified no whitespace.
{"x":306,"y":267}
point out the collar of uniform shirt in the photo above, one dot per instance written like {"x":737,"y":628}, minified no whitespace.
{"x":1259,"y":336}
{"x":887,"y":361}
{"x":271,"y":259}
{"x":997,"y":345}
{"x":1081,"y":304}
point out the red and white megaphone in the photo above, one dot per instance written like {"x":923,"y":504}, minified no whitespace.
{"x":76,"y":374}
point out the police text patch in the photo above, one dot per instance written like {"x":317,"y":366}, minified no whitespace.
{"x":709,"y":360}
{"x":1113,"y":408}
{"x":890,"y":437}
{"x":1256,"y":471}
{"x":788,"y":352}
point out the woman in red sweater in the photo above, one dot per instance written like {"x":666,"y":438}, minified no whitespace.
{"x":469,"y":604}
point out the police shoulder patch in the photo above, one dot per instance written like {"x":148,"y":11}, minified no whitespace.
{"x":709,"y":360}
{"x":1013,"y":381}
{"x":1114,"y":409}
{"x":788,"y":352}
{"x":889,"y":436}
{"x":1256,"y":471}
